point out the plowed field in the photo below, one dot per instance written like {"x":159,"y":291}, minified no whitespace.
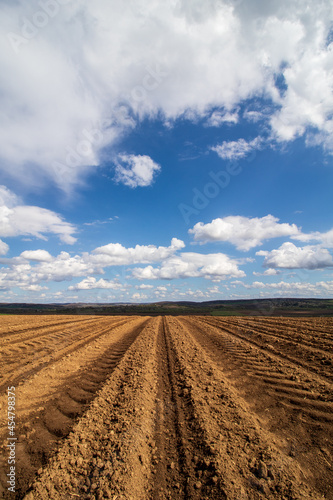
{"x":168,"y":407}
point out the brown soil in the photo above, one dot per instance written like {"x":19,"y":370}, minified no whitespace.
{"x":169,"y":408}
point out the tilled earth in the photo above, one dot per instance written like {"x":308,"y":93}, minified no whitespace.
{"x":168,"y":407}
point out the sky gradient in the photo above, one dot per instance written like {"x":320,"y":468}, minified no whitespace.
{"x":157,"y":150}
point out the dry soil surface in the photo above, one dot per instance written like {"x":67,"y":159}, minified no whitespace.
{"x":168,"y":407}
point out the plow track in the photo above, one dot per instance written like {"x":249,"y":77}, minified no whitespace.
{"x":292,"y":347}
{"x":16,"y":333}
{"x":166,"y":408}
{"x":290,"y":400}
{"x":182,"y":458}
{"x":47,"y":416}
{"x":26,"y":354}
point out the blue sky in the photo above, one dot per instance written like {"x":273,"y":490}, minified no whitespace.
{"x":165,"y":151}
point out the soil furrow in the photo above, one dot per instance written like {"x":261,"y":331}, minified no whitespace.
{"x":39,"y":359}
{"x":302,"y":426}
{"x":168,"y":453}
{"x":179,"y":448}
{"x":316,"y":364}
{"x":169,"y":408}
{"x":315,"y":325}
{"x":240,"y":447}
{"x":18,"y":336}
{"x":290,"y":336}
{"x":108,"y":454}
{"x":47,"y":420}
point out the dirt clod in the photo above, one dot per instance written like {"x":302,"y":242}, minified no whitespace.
{"x":262,"y":470}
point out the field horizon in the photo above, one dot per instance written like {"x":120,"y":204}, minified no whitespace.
{"x":245,"y":307}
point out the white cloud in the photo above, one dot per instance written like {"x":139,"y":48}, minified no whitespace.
{"x":106,"y":74}
{"x":288,"y":256}
{"x":268,"y":272}
{"x":235,"y":150}
{"x":98,"y":222}
{"x":19,"y":220}
{"x":37,"y":255}
{"x":217,"y":118}
{"x":283,"y":288}
{"x":326,"y":239}
{"x":91,"y":283}
{"x":116,"y":254}
{"x":134,"y":171}
{"x":3,"y":248}
{"x":8,"y":198}
{"x":192,"y":265}
{"x":143,"y":286}
{"x":243,"y":232}
{"x":253,"y":116}
{"x":308,"y":99}
{"x":139,"y":296}
{"x":33,"y":288}
{"x":22,"y":274}
{"x":64,"y":267}
{"x":193,"y":294}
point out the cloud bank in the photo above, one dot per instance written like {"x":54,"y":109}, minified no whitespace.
{"x":114,"y":64}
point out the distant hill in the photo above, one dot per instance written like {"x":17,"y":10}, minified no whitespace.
{"x":250,"y":307}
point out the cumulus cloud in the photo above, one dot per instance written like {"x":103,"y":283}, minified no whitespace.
{"x":134,"y":171}
{"x":107,"y":75}
{"x":37,"y":255}
{"x":326,"y":239}
{"x":139,"y":296}
{"x":143,"y":286}
{"x":117,"y":254}
{"x":192,"y":265}
{"x":307,"y":102}
{"x":64,"y":267}
{"x":32,"y":288}
{"x":289,"y":256}
{"x":243,"y":232}
{"x":235,"y":150}
{"x":91,"y":283}
{"x":40,"y":268}
{"x":36,"y":266}
{"x":24,"y":220}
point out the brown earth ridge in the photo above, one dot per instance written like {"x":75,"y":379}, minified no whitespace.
{"x":186,"y":407}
